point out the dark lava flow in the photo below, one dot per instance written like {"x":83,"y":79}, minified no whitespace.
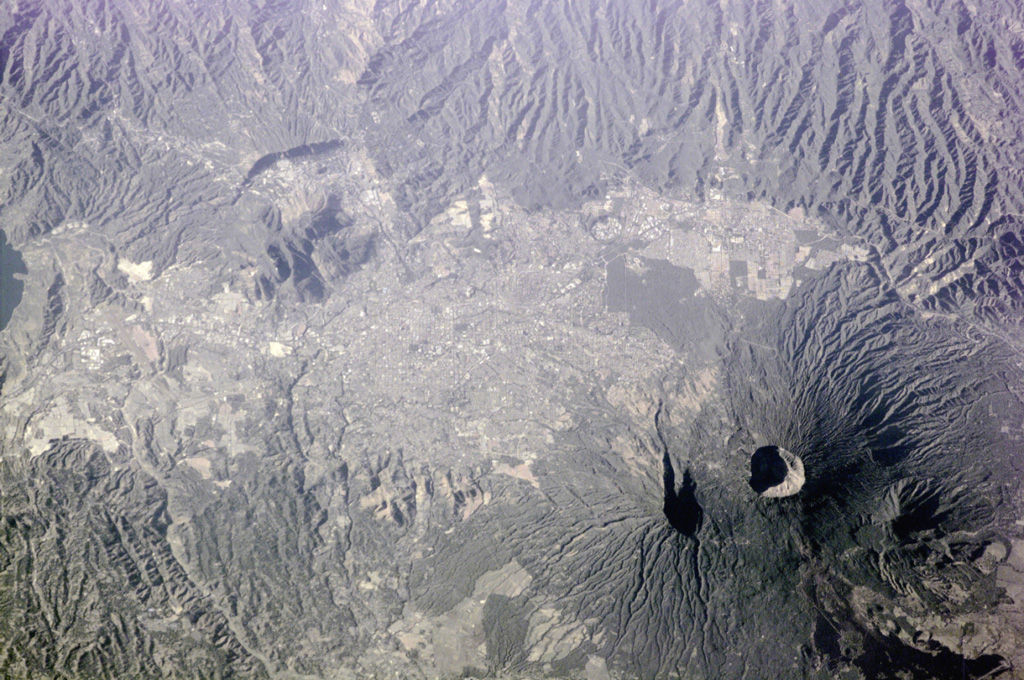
{"x":681,"y":507}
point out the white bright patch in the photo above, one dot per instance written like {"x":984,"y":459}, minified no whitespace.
{"x":143,"y":271}
{"x":277,"y":349}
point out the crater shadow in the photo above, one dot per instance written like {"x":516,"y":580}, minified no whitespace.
{"x":767,"y":469}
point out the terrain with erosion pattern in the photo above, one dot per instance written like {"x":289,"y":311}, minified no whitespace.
{"x":596,"y":339}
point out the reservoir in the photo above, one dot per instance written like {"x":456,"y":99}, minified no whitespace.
{"x":11,"y":288}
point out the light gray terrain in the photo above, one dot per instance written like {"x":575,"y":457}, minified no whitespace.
{"x":403,"y":339}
